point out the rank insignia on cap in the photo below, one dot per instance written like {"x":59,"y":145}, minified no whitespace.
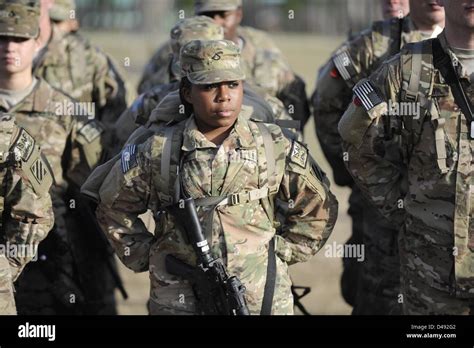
{"x":366,"y":94}
{"x":129,"y":158}
{"x":299,"y":154}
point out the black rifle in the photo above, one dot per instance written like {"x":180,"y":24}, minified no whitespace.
{"x":216,"y":291}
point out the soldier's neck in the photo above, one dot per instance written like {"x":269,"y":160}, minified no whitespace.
{"x":214,"y":135}
{"x":460,"y":37}
{"x":16,"y":82}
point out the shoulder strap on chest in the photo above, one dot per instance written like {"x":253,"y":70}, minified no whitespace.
{"x":167,"y":183}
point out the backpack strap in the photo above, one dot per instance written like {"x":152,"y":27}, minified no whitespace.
{"x":417,"y":87}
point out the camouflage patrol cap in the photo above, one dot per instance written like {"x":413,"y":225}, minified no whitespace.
{"x":62,"y":10}
{"x":195,"y":28}
{"x":208,"y":62}
{"x":203,"y":6}
{"x":19,"y":18}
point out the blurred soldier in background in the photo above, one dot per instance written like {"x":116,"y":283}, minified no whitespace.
{"x":186,"y":30}
{"x":74,"y":275}
{"x":395,"y":8}
{"x":26,"y":212}
{"x":70,"y":63}
{"x":263,"y":62}
{"x":377,"y":279}
{"x":410,"y":136}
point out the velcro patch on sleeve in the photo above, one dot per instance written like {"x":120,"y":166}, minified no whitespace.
{"x":24,"y":145}
{"x":367,"y":95}
{"x":39,"y":170}
{"x":299,"y":154}
{"x":91,"y":131}
{"x":129,"y":158}
{"x":344,"y":65}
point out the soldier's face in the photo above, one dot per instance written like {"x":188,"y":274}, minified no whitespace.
{"x":459,"y":13}
{"x":428,"y":12}
{"x":229,"y":20}
{"x":217,"y":105}
{"x":395,"y":8}
{"x":16,"y":54}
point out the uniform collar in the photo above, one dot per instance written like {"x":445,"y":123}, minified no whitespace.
{"x":410,"y":32}
{"x":239,"y":137}
{"x":38,"y":100}
{"x":462,"y":72}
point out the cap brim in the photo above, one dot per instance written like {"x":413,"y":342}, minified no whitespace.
{"x":206,"y":9}
{"x":217,"y":76}
{"x":20,"y":35}
{"x":59,"y":14}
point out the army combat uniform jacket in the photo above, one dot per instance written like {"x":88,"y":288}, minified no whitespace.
{"x":353,"y":61}
{"x":71,"y":144}
{"x":25,"y":206}
{"x":71,"y":64}
{"x":238,"y":233}
{"x":421,"y":176}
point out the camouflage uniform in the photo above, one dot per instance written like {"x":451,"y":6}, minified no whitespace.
{"x":72,"y":147}
{"x":26,"y":214}
{"x":72,"y":144}
{"x":239,"y":234}
{"x":71,"y":64}
{"x":263,"y":64}
{"x":184,"y":31}
{"x":418,"y":171}
{"x":377,"y":278}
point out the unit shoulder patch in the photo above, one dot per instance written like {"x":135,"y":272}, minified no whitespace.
{"x":39,"y":170}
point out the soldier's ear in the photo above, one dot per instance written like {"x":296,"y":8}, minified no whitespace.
{"x":240,"y":15}
{"x":186,"y":93}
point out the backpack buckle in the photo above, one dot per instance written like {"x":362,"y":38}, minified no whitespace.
{"x":234,"y":199}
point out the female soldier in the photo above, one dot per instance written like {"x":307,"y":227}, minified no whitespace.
{"x":235,"y":169}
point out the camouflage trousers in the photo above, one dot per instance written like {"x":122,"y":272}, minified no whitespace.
{"x":372,"y":286}
{"x":379,"y":282}
{"x":7,"y":300}
{"x":351,"y":267}
{"x":422,"y":299}
{"x":56,"y":283}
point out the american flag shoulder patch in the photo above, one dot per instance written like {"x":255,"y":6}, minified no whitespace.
{"x":129,"y":158}
{"x":345,"y":65}
{"x":367,"y":95}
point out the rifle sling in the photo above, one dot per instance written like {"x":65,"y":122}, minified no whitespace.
{"x":270,"y":281}
{"x":443,"y":62}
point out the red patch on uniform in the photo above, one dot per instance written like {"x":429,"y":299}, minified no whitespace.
{"x":357,"y":102}
{"x":335,"y":73}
